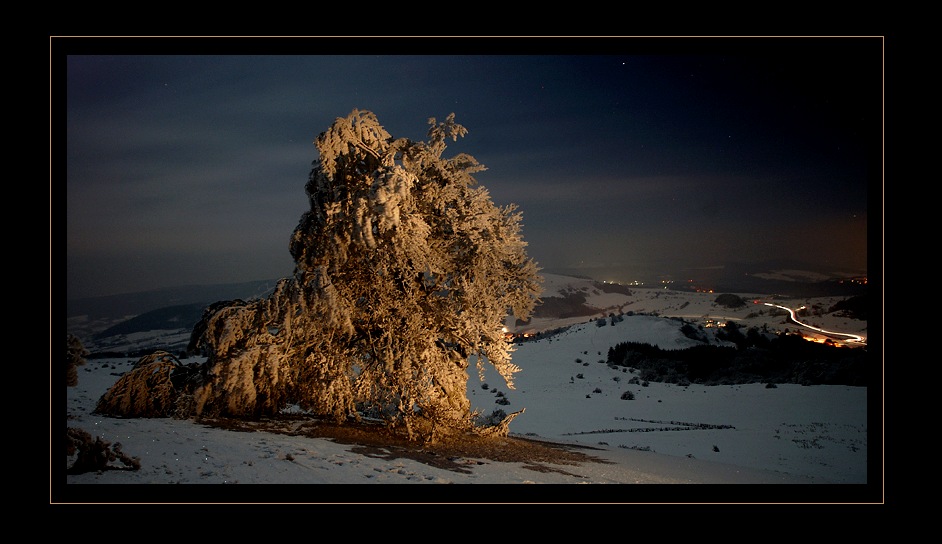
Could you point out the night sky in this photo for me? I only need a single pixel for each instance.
(184, 161)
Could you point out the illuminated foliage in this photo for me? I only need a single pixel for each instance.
(151, 389)
(405, 271)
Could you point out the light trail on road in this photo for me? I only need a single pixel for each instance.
(851, 337)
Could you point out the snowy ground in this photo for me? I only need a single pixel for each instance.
(668, 434)
(787, 435)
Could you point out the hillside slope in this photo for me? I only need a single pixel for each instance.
(566, 301)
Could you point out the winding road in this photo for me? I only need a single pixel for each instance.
(854, 338)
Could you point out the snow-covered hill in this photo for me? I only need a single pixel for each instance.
(567, 301)
(665, 434)
(570, 394)
(660, 433)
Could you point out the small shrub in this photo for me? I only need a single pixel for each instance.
(146, 391)
(76, 358)
(580, 376)
(95, 456)
(493, 418)
(628, 395)
(597, 390)
(716, 449)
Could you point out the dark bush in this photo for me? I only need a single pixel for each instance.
(854, 307)
(493, 418)
(75, 356)
(730, 301)
(95, 455)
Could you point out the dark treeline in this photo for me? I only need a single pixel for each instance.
(786, 358)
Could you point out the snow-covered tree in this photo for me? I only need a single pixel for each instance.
(405, 271)
(153, 388)
(75, 355)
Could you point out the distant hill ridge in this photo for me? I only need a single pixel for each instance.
(105, 322)
(133, 304)
(168, 318)
(108, 318)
